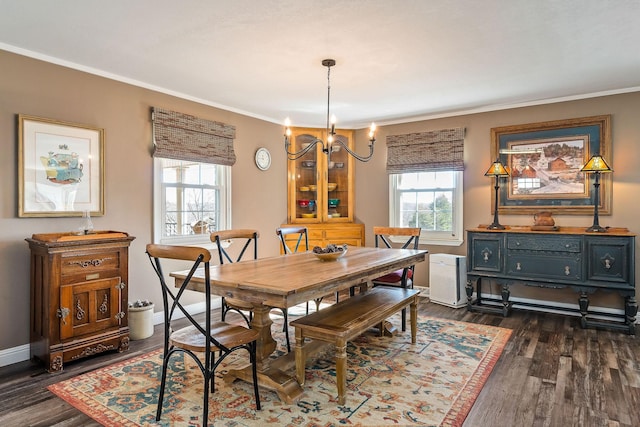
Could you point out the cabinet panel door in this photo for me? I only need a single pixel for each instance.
(609, 259)
(90, 307)
(486, 252)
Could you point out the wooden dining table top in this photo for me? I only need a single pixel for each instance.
(287, 280)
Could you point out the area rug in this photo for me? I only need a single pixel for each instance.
(390, 382)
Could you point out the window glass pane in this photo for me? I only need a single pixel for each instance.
(191, 174)
(429, 200)
(208, 174)
(194, 200)
(444, 179)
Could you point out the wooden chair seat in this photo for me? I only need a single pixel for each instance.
(190, 338)
(239, 304)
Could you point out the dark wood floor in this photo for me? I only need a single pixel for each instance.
(552, 373)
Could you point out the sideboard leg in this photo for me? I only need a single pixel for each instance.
(469, 290)
(583, 302)
(630, 311)
(505, 300)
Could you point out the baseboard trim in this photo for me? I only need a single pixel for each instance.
(13, 355)
(21, 353)
(424, 291)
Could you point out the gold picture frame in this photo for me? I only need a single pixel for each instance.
(544, 160)
(60, 168)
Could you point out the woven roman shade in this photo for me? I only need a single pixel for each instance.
(184, 137)
(426, 151)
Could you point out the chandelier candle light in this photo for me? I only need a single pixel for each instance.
(331, 130)
(596, 165)
(498, 170)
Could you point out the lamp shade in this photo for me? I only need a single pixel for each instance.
(596, 164)
(497, 169)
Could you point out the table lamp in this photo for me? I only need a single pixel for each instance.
(596, 165)
(498, 170)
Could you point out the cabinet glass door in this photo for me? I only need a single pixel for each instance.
(338, 182)
(306, 178)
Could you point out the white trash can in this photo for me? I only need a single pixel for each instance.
(141, 322)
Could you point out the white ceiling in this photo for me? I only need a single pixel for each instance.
(397, 60)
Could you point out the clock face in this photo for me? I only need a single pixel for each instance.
(263, 159)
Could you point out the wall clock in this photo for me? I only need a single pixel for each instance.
(263, 159)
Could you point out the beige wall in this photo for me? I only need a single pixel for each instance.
(36, 88)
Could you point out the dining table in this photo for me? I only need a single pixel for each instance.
(286, 281)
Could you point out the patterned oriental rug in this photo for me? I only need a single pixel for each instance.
(390, 383)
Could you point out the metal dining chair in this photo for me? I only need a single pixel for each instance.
(244, 238)
(402, 278)
(206, 338)
(240, 239)
(294, 239)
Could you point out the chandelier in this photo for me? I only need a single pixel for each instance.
(327, 146)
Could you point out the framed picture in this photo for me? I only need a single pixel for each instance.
(60, 168)
(544, 162)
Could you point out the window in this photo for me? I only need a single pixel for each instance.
(191, 199)
(431, 201)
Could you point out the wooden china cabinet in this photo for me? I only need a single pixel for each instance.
(79, 290)
(320, 192)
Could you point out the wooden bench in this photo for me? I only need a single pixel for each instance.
(348, 319)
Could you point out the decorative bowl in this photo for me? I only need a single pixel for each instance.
(308, 215)
(332, 186)
(304, 188)
(308, 164)
(330, 256)
(313, 187)
(333, 203)
(303, 203)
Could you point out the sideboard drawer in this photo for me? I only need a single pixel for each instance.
(544, 266)
(544, 243)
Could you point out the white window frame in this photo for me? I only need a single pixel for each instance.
(453, 238)
(224, 222)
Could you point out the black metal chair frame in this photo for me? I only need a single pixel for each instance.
(223, 254)
(171, 303)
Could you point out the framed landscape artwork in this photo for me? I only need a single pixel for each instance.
(60, 168)
(544, 162)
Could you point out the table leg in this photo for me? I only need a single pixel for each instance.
(300, 359)
(273, 378)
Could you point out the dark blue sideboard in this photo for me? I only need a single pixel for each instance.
(559, 258)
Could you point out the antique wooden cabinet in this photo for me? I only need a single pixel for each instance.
(320, 191)
(568, 257)
(78, 295)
